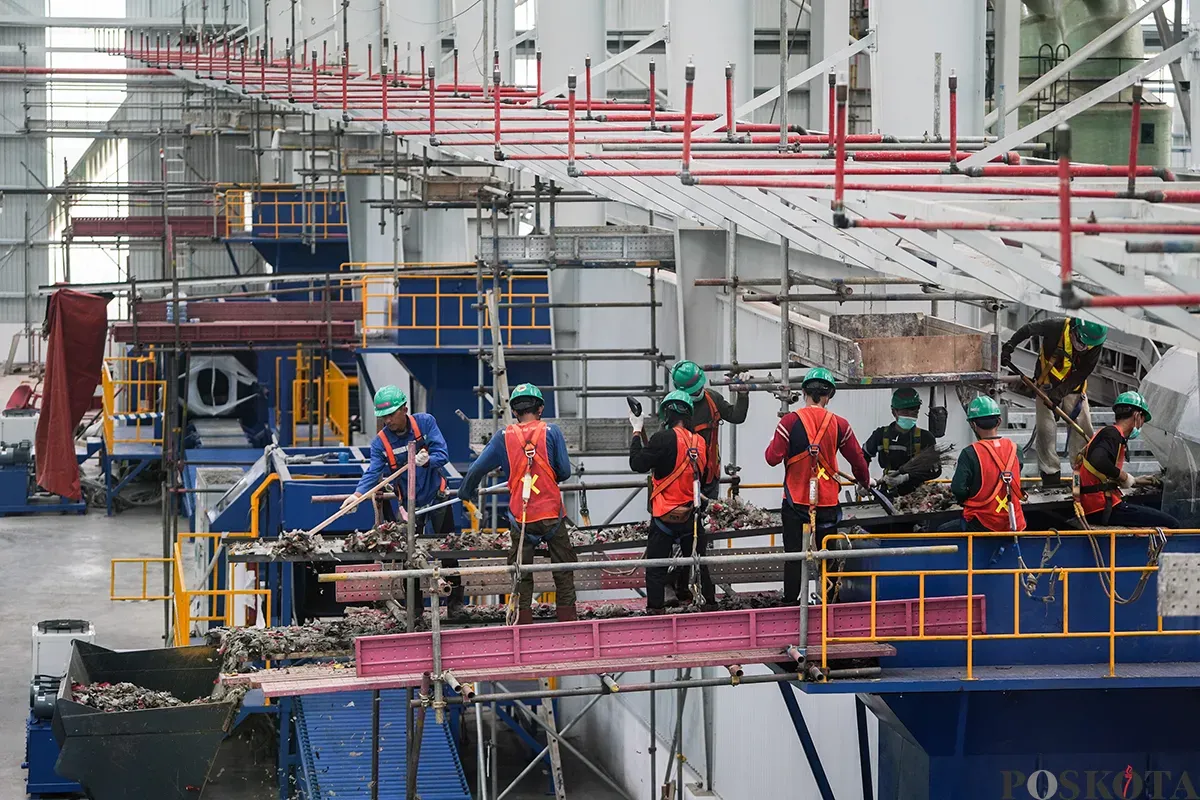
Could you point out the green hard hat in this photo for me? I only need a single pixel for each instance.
(1134, 399)
(388, 400)
(983, 406)
(680, 400)
(687, 376)
(818, 374)
(1091, 334)
(526, 390)
(905, 398)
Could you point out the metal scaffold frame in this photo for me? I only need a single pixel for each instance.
(952, 199)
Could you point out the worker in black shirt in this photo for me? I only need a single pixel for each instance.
(900, 441)
(1100, 474)
(676, 456)
(709, 410)
(1069, 352)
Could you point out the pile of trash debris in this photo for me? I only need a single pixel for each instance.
(735, 514)
(386, 537)
(292, 543)
(927, 498)
(114, 697)
(238, 646)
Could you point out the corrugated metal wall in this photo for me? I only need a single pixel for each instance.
(197, 158)
(23, 162)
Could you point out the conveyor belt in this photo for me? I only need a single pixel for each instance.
(334, 733)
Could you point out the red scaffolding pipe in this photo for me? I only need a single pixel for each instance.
(1135, 126)
(840, 156)
(1064, 206)
(688, 97)
(730, 122)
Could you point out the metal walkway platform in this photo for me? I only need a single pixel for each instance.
(334, 736)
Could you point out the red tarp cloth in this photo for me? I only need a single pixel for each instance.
(78, 324)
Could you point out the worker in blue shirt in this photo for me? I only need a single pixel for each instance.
(389, 450)
(533, 457)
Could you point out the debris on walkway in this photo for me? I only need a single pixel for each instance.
(239, 646)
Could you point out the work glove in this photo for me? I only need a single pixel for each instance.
(1126, 480)
(638, 423)
(351, 499)
(1006, 353)
(421, 458)
(894, 479)
(743, 378)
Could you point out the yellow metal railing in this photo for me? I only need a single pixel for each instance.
(1107, 574)
(284, 212)
(130, 389)
(145, 564)
(181, 597)
(451, 308)
(320, 399)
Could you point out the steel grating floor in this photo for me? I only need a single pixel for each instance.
(334, 732)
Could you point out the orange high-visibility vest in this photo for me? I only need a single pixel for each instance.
(997, 459)
(678, 488)
(820, 460)
(525, 443)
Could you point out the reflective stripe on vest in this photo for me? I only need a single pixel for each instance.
(712, 441)
(525, 443)
(1095, 486)
(997, 458)
(1048, 373)
(822, 428)
(677, 489)
(916, 444)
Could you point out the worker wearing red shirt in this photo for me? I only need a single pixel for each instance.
(807, 442)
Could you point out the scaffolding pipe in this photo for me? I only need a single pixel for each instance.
(654, 686)
(736, 560)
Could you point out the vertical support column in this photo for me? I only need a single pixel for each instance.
(476, 45)
(712, 33)
(830, 33)
(567, 31)
(1193, 72)
(1007, 19)
(413, 24)
(904, 63)
(699, 253)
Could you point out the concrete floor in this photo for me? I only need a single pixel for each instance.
(58, 567)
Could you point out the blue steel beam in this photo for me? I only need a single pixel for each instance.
(806, 741)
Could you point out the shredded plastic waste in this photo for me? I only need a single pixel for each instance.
(927, 498)
(113, 697)
(241, 646)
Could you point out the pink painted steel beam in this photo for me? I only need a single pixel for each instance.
(147, 226)
(245, 332)
(324, 678)
(561, 649)
(259, 311)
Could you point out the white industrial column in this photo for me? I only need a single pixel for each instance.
(364, 25)
(830, 33)
(469, 38)
(1007, 21)
(909, 37)
(277, 28)
(319, 23)
(712, 34)
(567, 32)
(411, 25)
